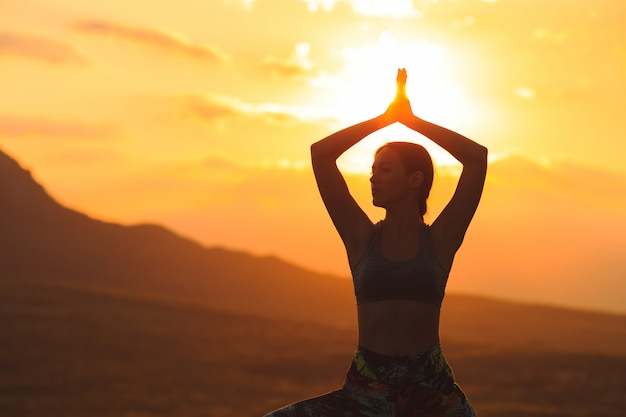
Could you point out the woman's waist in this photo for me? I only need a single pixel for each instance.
(398, 345)
(374, 370)
(398, 329)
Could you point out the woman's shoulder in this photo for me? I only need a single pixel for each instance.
(363, 242)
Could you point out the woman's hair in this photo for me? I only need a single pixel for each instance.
(415, 157)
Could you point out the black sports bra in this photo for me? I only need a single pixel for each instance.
(421, 278)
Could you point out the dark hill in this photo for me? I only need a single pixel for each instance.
(100, 319)
(42, 241)
(40, 238)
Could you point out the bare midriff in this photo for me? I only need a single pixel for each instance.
(398, 327)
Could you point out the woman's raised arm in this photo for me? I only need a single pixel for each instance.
(451, 225)
(349, 219)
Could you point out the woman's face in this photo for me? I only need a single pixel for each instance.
(390, 181)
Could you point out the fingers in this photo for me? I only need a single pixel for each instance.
(401, 77)
(401, 83)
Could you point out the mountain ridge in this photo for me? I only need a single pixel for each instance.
(41, 238)
(44, 242)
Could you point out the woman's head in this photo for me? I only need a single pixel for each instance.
(401, 168)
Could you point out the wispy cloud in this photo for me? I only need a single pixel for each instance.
(595, 185)
(210, 109)
(217, 109)
(298, 64)
(388, 8)
(38, 48)
(166, 41)
(27, 127)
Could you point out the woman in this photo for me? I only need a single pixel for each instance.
(400, 267)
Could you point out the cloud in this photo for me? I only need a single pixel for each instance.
(166, 41)
(210, 109)
(388, 8)
(590, 185)
(39, 48)
(377, 8)
(220, 109)
(27, 127)
(297, 65)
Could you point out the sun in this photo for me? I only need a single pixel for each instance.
(366, 85)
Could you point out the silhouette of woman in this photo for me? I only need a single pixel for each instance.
(400, 268)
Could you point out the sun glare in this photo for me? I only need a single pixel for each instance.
(366, 85)
(393, 8)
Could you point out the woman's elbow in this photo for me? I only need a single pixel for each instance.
(317, 151)
(478, 158)
(482, 153)
(314, 149)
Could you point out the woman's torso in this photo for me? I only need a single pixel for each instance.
(399, 288)
(398, 327)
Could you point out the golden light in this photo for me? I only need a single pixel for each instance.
(391, 8)
(366, 85)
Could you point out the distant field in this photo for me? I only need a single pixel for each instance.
(72, 352)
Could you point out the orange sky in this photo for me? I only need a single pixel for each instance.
(199, 115)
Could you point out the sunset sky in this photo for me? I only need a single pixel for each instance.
(198, 115)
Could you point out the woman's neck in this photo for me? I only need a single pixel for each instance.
(403, 220)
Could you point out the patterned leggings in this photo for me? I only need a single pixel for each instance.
(382, 386)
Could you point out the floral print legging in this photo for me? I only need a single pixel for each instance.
(420, 385)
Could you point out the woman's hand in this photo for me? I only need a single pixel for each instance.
(401, 83)
(400, 108)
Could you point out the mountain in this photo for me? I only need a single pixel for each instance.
(102, 319)
(42, 241)
(40, 238)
